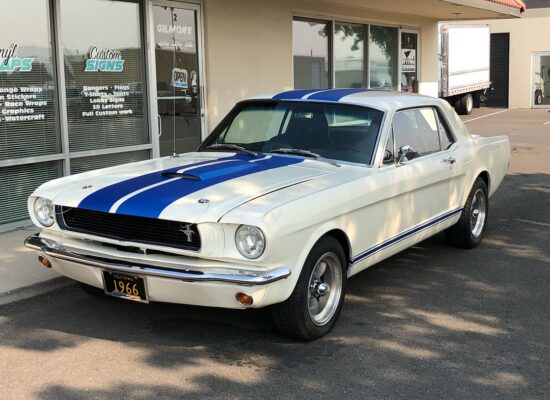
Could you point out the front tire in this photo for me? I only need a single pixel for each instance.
(313, 307)
(468, 232)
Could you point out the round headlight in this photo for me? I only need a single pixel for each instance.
(44, 211)
(250, 241)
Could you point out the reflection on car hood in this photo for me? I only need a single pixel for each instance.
(195, 187)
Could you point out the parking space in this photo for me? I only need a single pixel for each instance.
(433, 322)
(528, 130)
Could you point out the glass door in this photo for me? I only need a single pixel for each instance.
(178, 77)
(409, 61)
(541, 80)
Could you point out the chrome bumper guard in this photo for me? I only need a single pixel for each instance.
(53, 249)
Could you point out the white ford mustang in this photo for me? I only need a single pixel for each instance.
(289, 196)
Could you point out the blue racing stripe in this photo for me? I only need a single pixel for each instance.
(150, 203)
(294, 94)
(335, 94)
(103, 199)
(404, 235)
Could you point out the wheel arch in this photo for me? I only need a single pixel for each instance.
(343, 239)
(486, 178)
(332, 229)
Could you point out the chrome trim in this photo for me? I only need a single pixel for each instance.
(53, 249)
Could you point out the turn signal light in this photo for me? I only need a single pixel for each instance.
(44, 261)
(244, 299)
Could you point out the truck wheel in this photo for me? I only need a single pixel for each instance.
(468, 232)
(466, 104)
(313, 307)
(538, 97)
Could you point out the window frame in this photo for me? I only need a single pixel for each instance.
(442, 121)
(367, 23)
(330, 47)
(230, 116)
(440, 118)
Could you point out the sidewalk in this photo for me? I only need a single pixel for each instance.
(21, 276)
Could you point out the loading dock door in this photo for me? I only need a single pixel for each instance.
(500, 70)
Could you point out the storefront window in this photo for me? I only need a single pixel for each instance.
(28, 99)
(104, 74)
(311, 53)
(28, 124)
(409, 62)
(383, 57)
(349, 55)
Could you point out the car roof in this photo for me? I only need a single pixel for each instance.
(384, 100)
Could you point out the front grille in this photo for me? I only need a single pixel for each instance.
(159, 232)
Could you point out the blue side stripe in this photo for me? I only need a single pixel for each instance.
(150, 203)
(404, 235)
(335, 94)
(294, 94)
(103, 199)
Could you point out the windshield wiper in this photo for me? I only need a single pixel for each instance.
(231, 146)
(304, 153)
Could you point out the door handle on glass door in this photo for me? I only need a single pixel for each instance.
(449, 160)
(159, 124)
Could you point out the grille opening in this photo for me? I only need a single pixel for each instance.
(129, 228)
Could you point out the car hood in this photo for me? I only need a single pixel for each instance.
(194, 187)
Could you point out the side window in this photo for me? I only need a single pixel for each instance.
(417, 128)
(444, 133)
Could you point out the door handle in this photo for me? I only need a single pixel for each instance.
(449, 160)
(159, 124)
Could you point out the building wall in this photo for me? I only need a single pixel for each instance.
(249, 46)
(527, 35)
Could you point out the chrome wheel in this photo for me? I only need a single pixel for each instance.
(325, 289)
(478, 212)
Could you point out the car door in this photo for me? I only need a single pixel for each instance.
(420, 192)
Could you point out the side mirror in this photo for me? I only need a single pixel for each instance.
(404, 152)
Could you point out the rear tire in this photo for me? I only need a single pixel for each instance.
(313, 307)
(466, 104)
(468, 232)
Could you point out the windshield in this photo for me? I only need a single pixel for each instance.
(334, 131)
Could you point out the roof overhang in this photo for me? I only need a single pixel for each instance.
(502, 8)
(440, 10)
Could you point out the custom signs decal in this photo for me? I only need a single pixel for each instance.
(105, 60)
(9, 62)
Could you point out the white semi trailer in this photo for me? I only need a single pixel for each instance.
(465, 52)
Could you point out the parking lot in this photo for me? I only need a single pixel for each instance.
(432, 322)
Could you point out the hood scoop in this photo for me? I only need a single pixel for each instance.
(216, 172)
(181, 175)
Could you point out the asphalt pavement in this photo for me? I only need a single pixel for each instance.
(432, 322)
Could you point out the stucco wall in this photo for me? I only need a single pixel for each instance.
(249, 46)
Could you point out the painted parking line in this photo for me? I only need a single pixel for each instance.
(485, 116)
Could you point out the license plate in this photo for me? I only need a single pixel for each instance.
(129, 287)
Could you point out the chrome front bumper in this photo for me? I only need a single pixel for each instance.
(54, 250)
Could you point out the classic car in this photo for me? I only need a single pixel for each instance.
(288, 197)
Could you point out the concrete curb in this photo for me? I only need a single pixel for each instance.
(34, 290)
